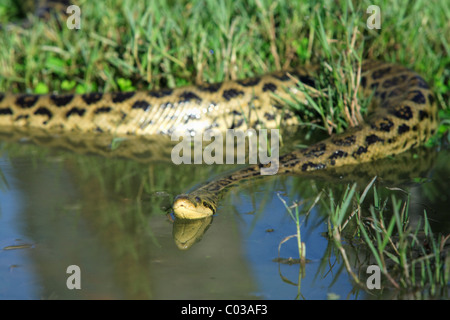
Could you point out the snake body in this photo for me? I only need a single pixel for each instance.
(231, 104)
(403, 115)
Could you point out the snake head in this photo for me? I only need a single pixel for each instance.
(192, 206)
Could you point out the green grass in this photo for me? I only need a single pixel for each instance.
(365, 229)
(413, 260)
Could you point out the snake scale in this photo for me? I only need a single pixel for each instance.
(403, 116)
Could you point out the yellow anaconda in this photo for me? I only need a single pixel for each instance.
(193, 108)
(404, 116)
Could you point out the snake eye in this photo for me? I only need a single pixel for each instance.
(197, 199)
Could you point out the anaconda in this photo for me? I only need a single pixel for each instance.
(403, 116)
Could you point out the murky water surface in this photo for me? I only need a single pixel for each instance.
(109, 217)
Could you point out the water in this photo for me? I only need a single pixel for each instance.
(109, 217)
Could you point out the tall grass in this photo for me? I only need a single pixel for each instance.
(413, 260)
(125, 44)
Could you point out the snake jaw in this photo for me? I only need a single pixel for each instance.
(186, 207)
